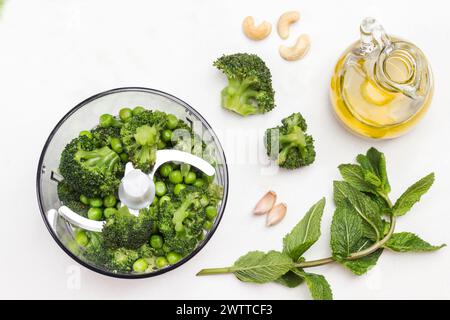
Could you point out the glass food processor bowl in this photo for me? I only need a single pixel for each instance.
(85, 117)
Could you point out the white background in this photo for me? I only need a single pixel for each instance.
(55, 53)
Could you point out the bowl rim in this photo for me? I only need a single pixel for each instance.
(137, 275)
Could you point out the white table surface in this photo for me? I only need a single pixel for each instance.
(54, 54)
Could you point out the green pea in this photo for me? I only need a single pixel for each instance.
(190, 177)
(110, 201)
(166, 248)
(125, 114)
(155, 201)
(137, 110)
(201, 237)
(178, 188)
(199, 183)
(204, 201)
(164, 199)
(167, 135)
(161, 262)
(161, 145)
(211, 212)
(106, 120)
(165, 169)
(140, 265)
(156, 241)
(173, 257)
(84, 200)
(86, 133)
(95, 214)
(172, 121)
(176, 177)
(109, 212)
(81, 238)
(116, 145)
(124, 157)
(96, 203)
(160, 188)
(118, 205)
(207, 225)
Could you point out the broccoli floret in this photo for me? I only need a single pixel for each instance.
(140, 137)
(249, 89)
(92, 171)
(124, 230)
(214, 193)
(94, 251)
(115, 260)
(180, 223)
(295, 148)
(182, 212)
(121, 259)
(103, 135)
(71, 198)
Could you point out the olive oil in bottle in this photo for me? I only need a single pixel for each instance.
(381, 86)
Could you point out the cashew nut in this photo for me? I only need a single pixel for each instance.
(298, 51)
(285, 22)
(256, 32)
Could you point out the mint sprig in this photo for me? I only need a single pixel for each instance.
(362, 227)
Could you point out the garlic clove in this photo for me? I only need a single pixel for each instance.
(265, 203)
(276, 214)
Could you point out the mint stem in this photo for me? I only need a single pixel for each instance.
(320, 262)
(211, 271)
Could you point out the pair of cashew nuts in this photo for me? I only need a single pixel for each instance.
(262, 31)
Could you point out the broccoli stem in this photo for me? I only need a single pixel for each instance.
(104, 158)
(238, 96)
(181, 213)
(297, 136)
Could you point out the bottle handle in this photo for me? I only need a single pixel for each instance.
(374, 38)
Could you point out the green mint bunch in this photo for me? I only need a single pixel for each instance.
(282, 267)
(364, 220)
(362, 227)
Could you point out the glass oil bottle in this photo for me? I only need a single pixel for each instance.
(381, 86)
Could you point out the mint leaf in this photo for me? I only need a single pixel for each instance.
(362, 265)
(317, 284)
(290, 280)
(347, 237)
(346, 231)
(412, 195)
(353, 174)
(305, 233)
(374, 168)
(260, 267)
(367, 209)
(409, 242)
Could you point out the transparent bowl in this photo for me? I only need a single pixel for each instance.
(85, 116)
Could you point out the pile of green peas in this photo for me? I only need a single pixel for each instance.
(101, 208)
(125, 115)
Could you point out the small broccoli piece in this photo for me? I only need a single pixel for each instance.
(121, 259)
(93, 172)
(249, 89)
(180, 223)
(95, 252)
(140, 137)
(71, 198)
(295, 148)
(115, 260)
(214, 193)
(103, 135)
(126, 230)
(182, 212)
